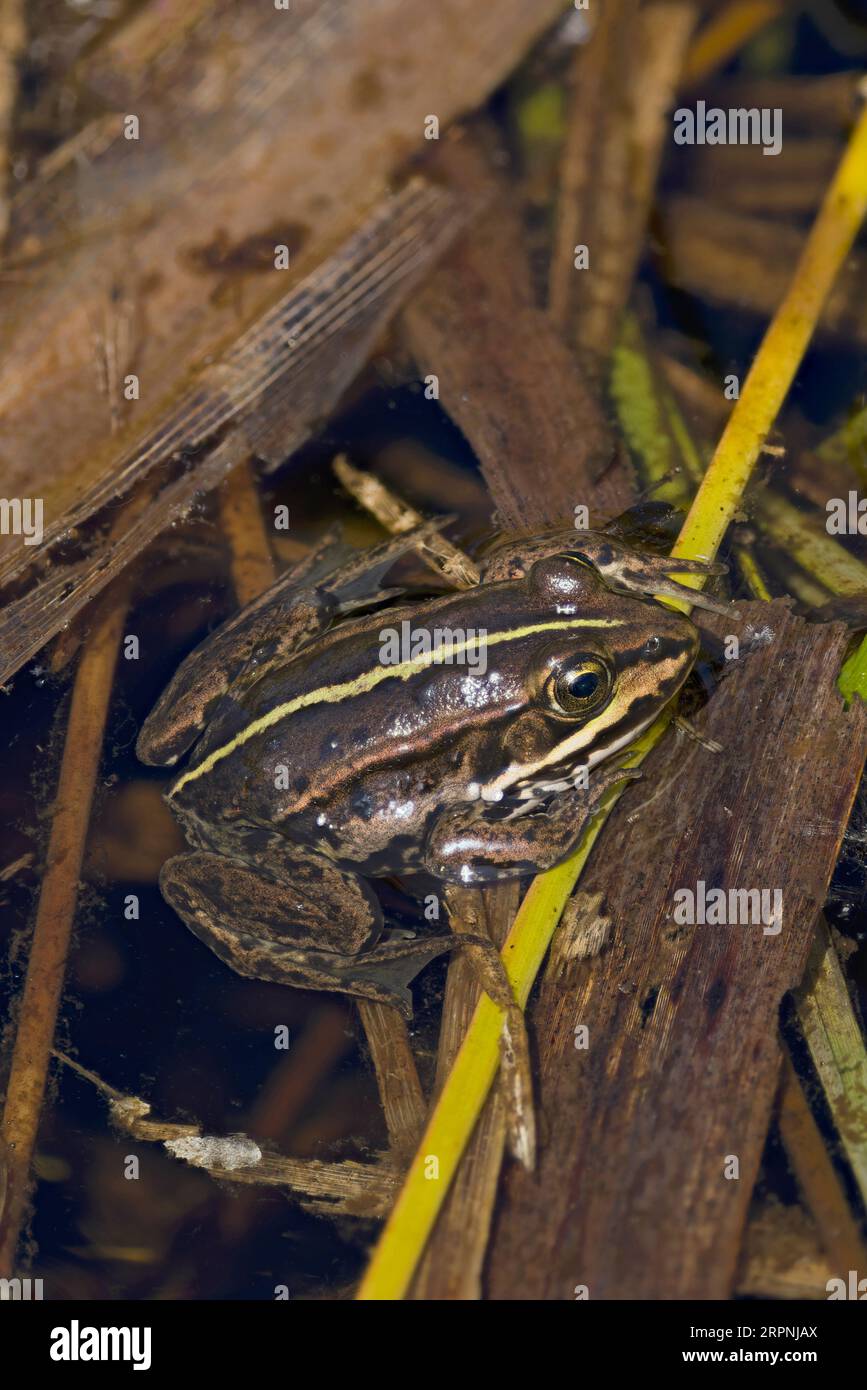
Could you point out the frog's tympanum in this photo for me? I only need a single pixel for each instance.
(323, 757)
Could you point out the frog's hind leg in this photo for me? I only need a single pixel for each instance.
(305, 924)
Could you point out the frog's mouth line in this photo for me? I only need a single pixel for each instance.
(538, 789)
(671, 675)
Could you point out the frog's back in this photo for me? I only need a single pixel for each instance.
(341, 709)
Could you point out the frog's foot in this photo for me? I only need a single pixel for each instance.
(275, 926)
(385, 972)
(638, 572)
(357, 581)
(623, 569)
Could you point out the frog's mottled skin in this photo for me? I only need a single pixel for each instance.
(316, 766)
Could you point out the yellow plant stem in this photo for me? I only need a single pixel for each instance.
(454, 1118)
(778, 357)
(752, 574)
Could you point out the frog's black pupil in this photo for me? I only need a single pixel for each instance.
(585, 685)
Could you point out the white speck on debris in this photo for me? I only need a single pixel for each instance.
(759, 636)
(213, 1151)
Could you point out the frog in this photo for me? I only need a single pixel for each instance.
(317, 762)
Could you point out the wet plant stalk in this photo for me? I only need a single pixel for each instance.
(46, 966)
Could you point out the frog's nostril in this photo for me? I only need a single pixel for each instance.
(652, 646)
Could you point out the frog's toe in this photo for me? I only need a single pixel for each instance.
(385, 973)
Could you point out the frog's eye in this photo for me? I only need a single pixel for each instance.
(581, 686)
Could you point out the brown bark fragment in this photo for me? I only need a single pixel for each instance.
(506, 378)
(55, 915)
(314, 107)
(624, 86)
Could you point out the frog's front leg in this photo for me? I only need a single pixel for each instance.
(486, 842)
(304, 922)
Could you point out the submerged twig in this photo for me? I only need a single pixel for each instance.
(55, 914)
(725, 33)
(817, 1179)
(806, 541)
(745, 262)
(253, 568)
(346, 1188)
(400, 1089)
(781, 1256)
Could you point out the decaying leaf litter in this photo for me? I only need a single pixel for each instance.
(524, 360)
